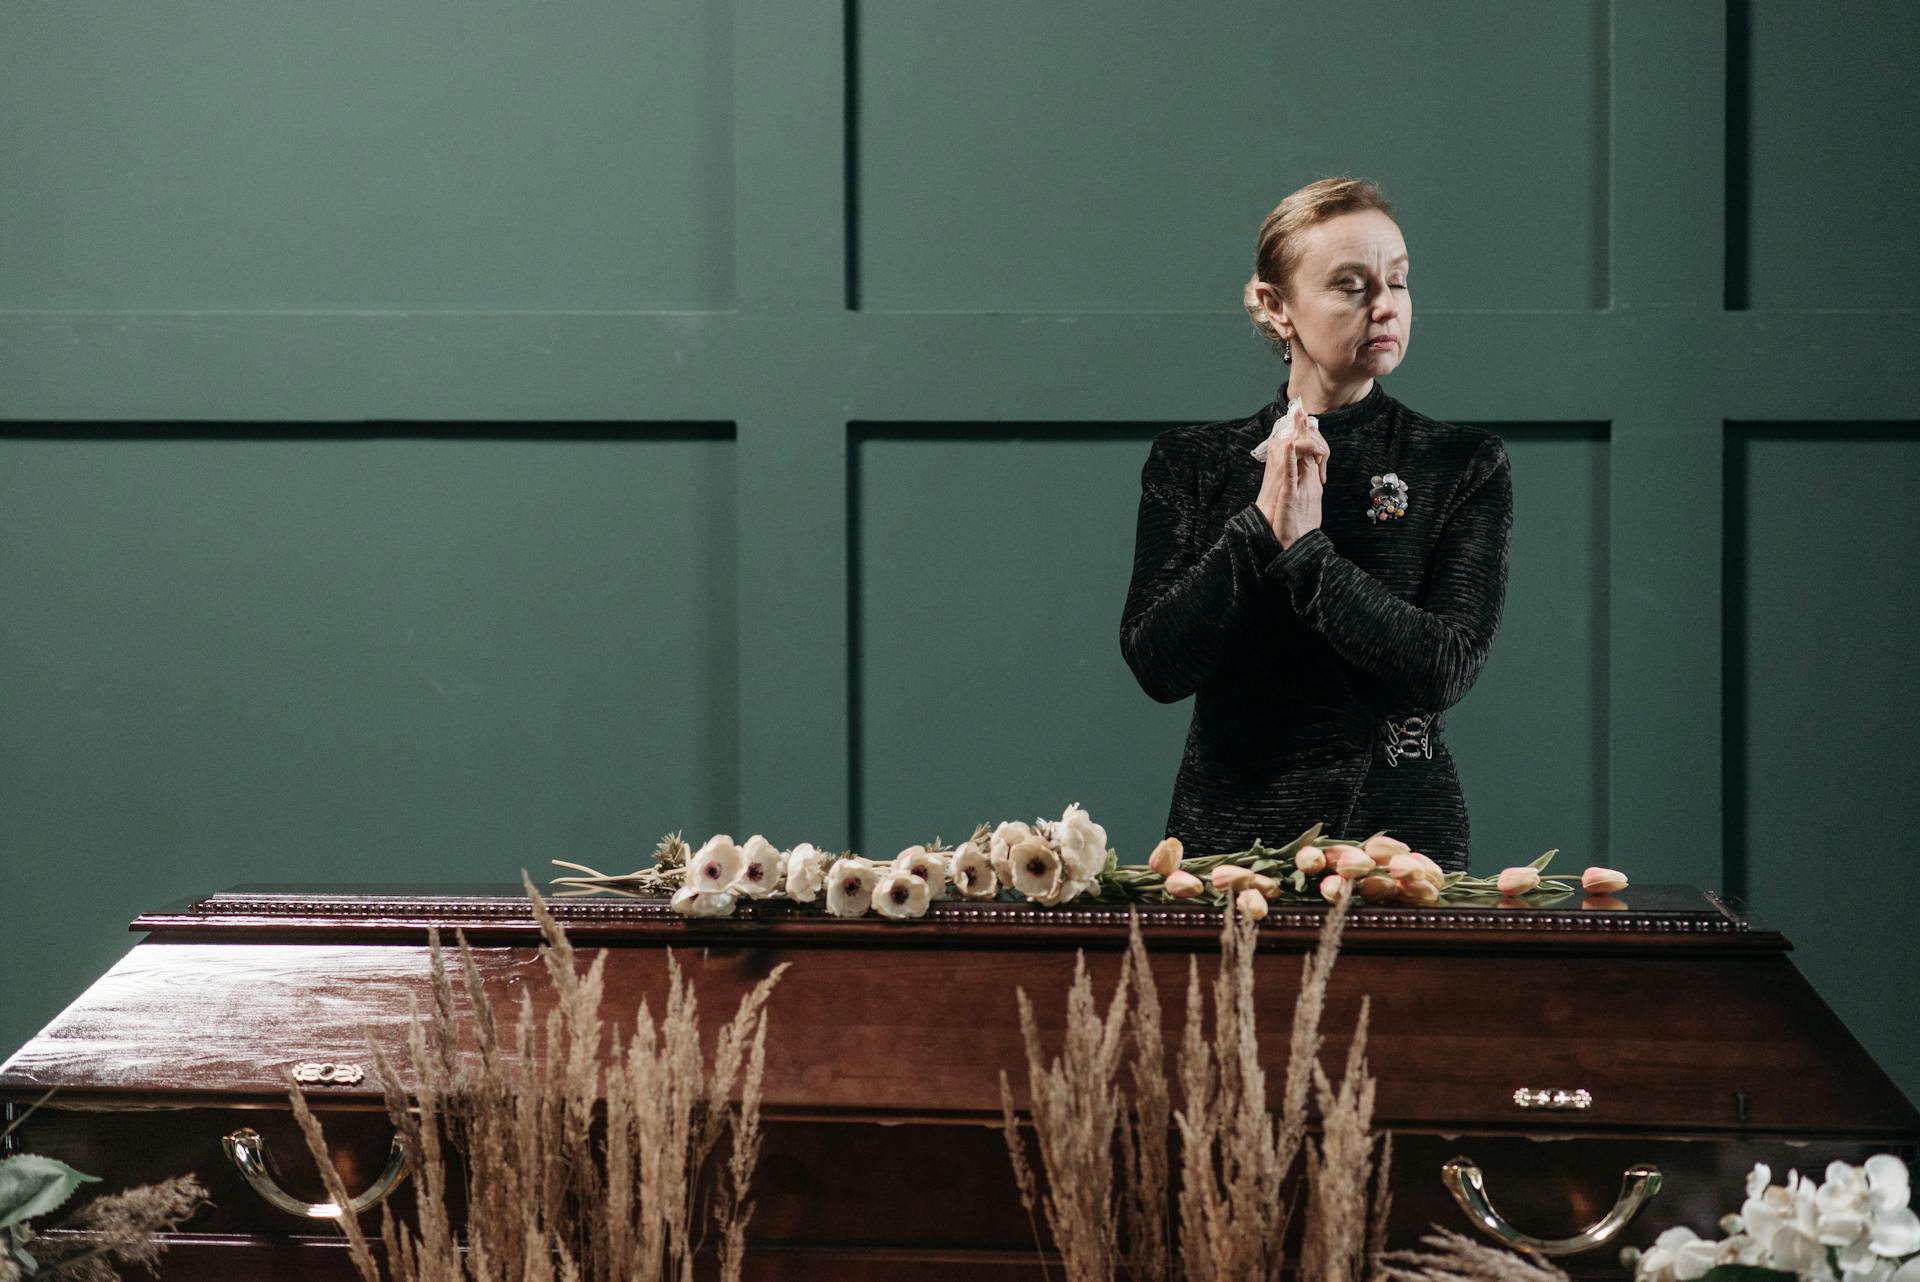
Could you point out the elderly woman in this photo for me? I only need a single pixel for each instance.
(1327, 605)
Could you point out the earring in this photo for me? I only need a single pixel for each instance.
(1286, 350)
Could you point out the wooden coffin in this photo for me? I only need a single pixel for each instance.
(1554, 1047)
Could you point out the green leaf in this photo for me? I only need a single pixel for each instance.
(1544, 860)
(1746, 1273)
(1293, 847)
(32, 1185)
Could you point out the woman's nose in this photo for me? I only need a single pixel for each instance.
(1385, 305)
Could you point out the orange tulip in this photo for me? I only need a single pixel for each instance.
(1518, 881)
(1383, 848)
(1350, 861)
(1182, 884)
(1231, 877)
(1602, 881)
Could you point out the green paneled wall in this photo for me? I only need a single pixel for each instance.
(435, 437)
(1822, 663)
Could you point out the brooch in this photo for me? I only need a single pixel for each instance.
(1389, 498)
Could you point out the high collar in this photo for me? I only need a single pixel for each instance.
(1364, 410)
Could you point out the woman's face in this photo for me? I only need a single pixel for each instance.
(1349, 309)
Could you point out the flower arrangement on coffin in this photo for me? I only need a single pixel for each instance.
(1854, 1227)
(1380, 869)
(1048, 862)
(1055, 861)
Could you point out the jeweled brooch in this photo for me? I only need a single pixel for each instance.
(1389, 498)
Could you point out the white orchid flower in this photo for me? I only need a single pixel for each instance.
(690, 901)
(1795, 1249)
(900, 895)
(850, 886)
(1895, 1233)
(919, 862)
(806, 872)
(715, 865)
(762, 868)
(1678, 1255)
(973, 872)
(1840, 1206)
(1887, 1187)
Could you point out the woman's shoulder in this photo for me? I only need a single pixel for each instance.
(1193, 450)
(1464, 445)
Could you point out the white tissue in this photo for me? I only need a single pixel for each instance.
(1282, 429)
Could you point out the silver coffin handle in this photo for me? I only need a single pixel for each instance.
(1469, 1188)
(248, 1151)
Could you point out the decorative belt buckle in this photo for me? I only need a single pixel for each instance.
(1406, 737)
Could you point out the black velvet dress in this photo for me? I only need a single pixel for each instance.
(1320, 673)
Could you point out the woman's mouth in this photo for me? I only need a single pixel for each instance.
(1383, 342)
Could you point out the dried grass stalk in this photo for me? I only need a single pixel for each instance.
(1334, 1247)
(556, 1188)
(1146, 1174)
(1241, 1166)
(1239, 1187)
(1076, 1103)
(112, 1230)
(1455, 1257)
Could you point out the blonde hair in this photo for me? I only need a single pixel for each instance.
(1283, 233)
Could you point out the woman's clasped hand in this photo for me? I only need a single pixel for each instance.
(1295, 479)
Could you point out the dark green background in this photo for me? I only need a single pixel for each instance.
(439, 436)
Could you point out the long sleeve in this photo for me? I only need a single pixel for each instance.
(1187, 599)
(1427, 654)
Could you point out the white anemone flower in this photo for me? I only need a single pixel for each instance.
(762, 868)
(850, 886)
(715, 865)
(689, 901)
(1083, 844)
(1000, 847)
(806, 872)
(901, 895)
(918, 861)
(1037, 870)
(973, 873)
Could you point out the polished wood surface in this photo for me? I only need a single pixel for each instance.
(1702, 1047)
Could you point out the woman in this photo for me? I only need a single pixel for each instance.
(1327, 606)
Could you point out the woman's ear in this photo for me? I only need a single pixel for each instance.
(1276, 308)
